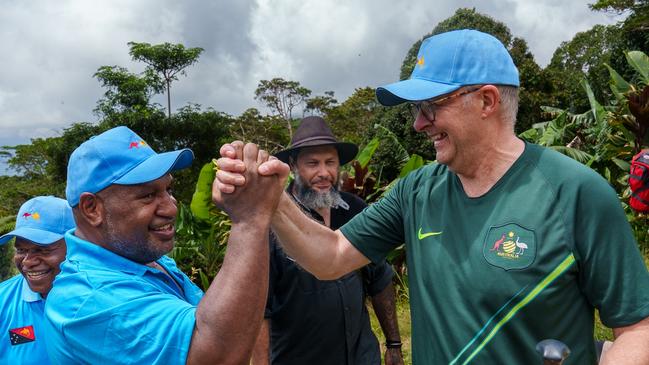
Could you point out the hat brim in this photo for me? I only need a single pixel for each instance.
(157, 166)
(37, 236)
(346, 151)
(412, 90)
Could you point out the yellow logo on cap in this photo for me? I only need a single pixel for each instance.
(420, 61)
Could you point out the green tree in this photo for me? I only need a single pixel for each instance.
(585, 55)
(534, 87)
(266, 131)
(166, 60)
(321, 104)
(351, 120)
(126, 92)
(634, 30)
(282, 96)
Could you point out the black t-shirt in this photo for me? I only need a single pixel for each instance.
(323, 322)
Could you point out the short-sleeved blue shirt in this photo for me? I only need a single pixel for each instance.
(21, 324)
(106, 309)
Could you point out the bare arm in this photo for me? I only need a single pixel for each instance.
(261, 352)
(230, 314)
(304, 239)
(631, 345)
(325, 253)
(386, 312)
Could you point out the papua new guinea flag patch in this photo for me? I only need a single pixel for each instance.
(21, 335)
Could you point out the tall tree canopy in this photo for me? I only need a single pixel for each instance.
(282, 96)
(166, 60)
(582, 57)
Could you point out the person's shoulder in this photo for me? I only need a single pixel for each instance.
(14, 280)
(352, 199)
(560, 169)
(11, 288)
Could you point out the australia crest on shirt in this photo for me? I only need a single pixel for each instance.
(509, 246)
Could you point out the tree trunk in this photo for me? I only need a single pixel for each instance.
(169, 99)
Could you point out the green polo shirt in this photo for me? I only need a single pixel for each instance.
(529, 260)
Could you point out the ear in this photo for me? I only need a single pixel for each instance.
(91, 209)
(490, 100)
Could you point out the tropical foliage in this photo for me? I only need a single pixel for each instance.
(607, 136)
(590, 112)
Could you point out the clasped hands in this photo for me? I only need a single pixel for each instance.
(248, 183)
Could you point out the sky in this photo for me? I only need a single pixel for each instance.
(51, 49)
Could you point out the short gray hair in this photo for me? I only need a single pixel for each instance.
(509, 102)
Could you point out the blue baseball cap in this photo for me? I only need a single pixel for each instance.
(448, 61)
(42, 220)
(118, 156)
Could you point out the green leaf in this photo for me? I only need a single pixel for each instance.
(621, 164)
(202, 199)
(204, 280)
(598, 110)
(619, 85)
(530, 135)
(640, 62)
(366, 154)
(413, 163)
(573, 153)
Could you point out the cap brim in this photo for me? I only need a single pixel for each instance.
(157, 166)
(37, 236)
(412, 90)
(346, 151)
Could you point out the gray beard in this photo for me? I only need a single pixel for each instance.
(313, 199)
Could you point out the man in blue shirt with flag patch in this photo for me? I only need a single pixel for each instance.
(40, 248)
(118, 299)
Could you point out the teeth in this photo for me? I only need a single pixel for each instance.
(437, 137)
(32, 274)
(166, 227)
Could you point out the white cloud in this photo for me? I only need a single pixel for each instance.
(52, 49)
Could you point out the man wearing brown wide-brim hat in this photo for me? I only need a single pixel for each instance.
(309, 321)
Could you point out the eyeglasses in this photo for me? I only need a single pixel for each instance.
(428, 107)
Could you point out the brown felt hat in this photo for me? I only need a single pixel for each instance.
(314, 131)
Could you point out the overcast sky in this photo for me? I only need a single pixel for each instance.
(51, 49)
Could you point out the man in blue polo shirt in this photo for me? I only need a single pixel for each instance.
(40, 248)
(118, 299)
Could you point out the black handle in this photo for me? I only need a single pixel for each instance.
(553, 352)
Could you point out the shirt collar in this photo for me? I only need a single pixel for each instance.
(88, 253)
(28, 294)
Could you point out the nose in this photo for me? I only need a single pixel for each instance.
(30, 259)
(421, 122)
(168, 207)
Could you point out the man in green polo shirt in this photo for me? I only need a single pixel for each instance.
(508, 243)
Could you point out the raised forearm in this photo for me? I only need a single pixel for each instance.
(230, 314)
(313, 245)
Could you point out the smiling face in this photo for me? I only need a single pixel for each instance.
(455, 131)
(39, 264)
(138, 220)
(318, 167)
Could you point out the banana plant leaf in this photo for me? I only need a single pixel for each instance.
(201, 204)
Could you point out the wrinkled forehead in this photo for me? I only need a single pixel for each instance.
(318, 152)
